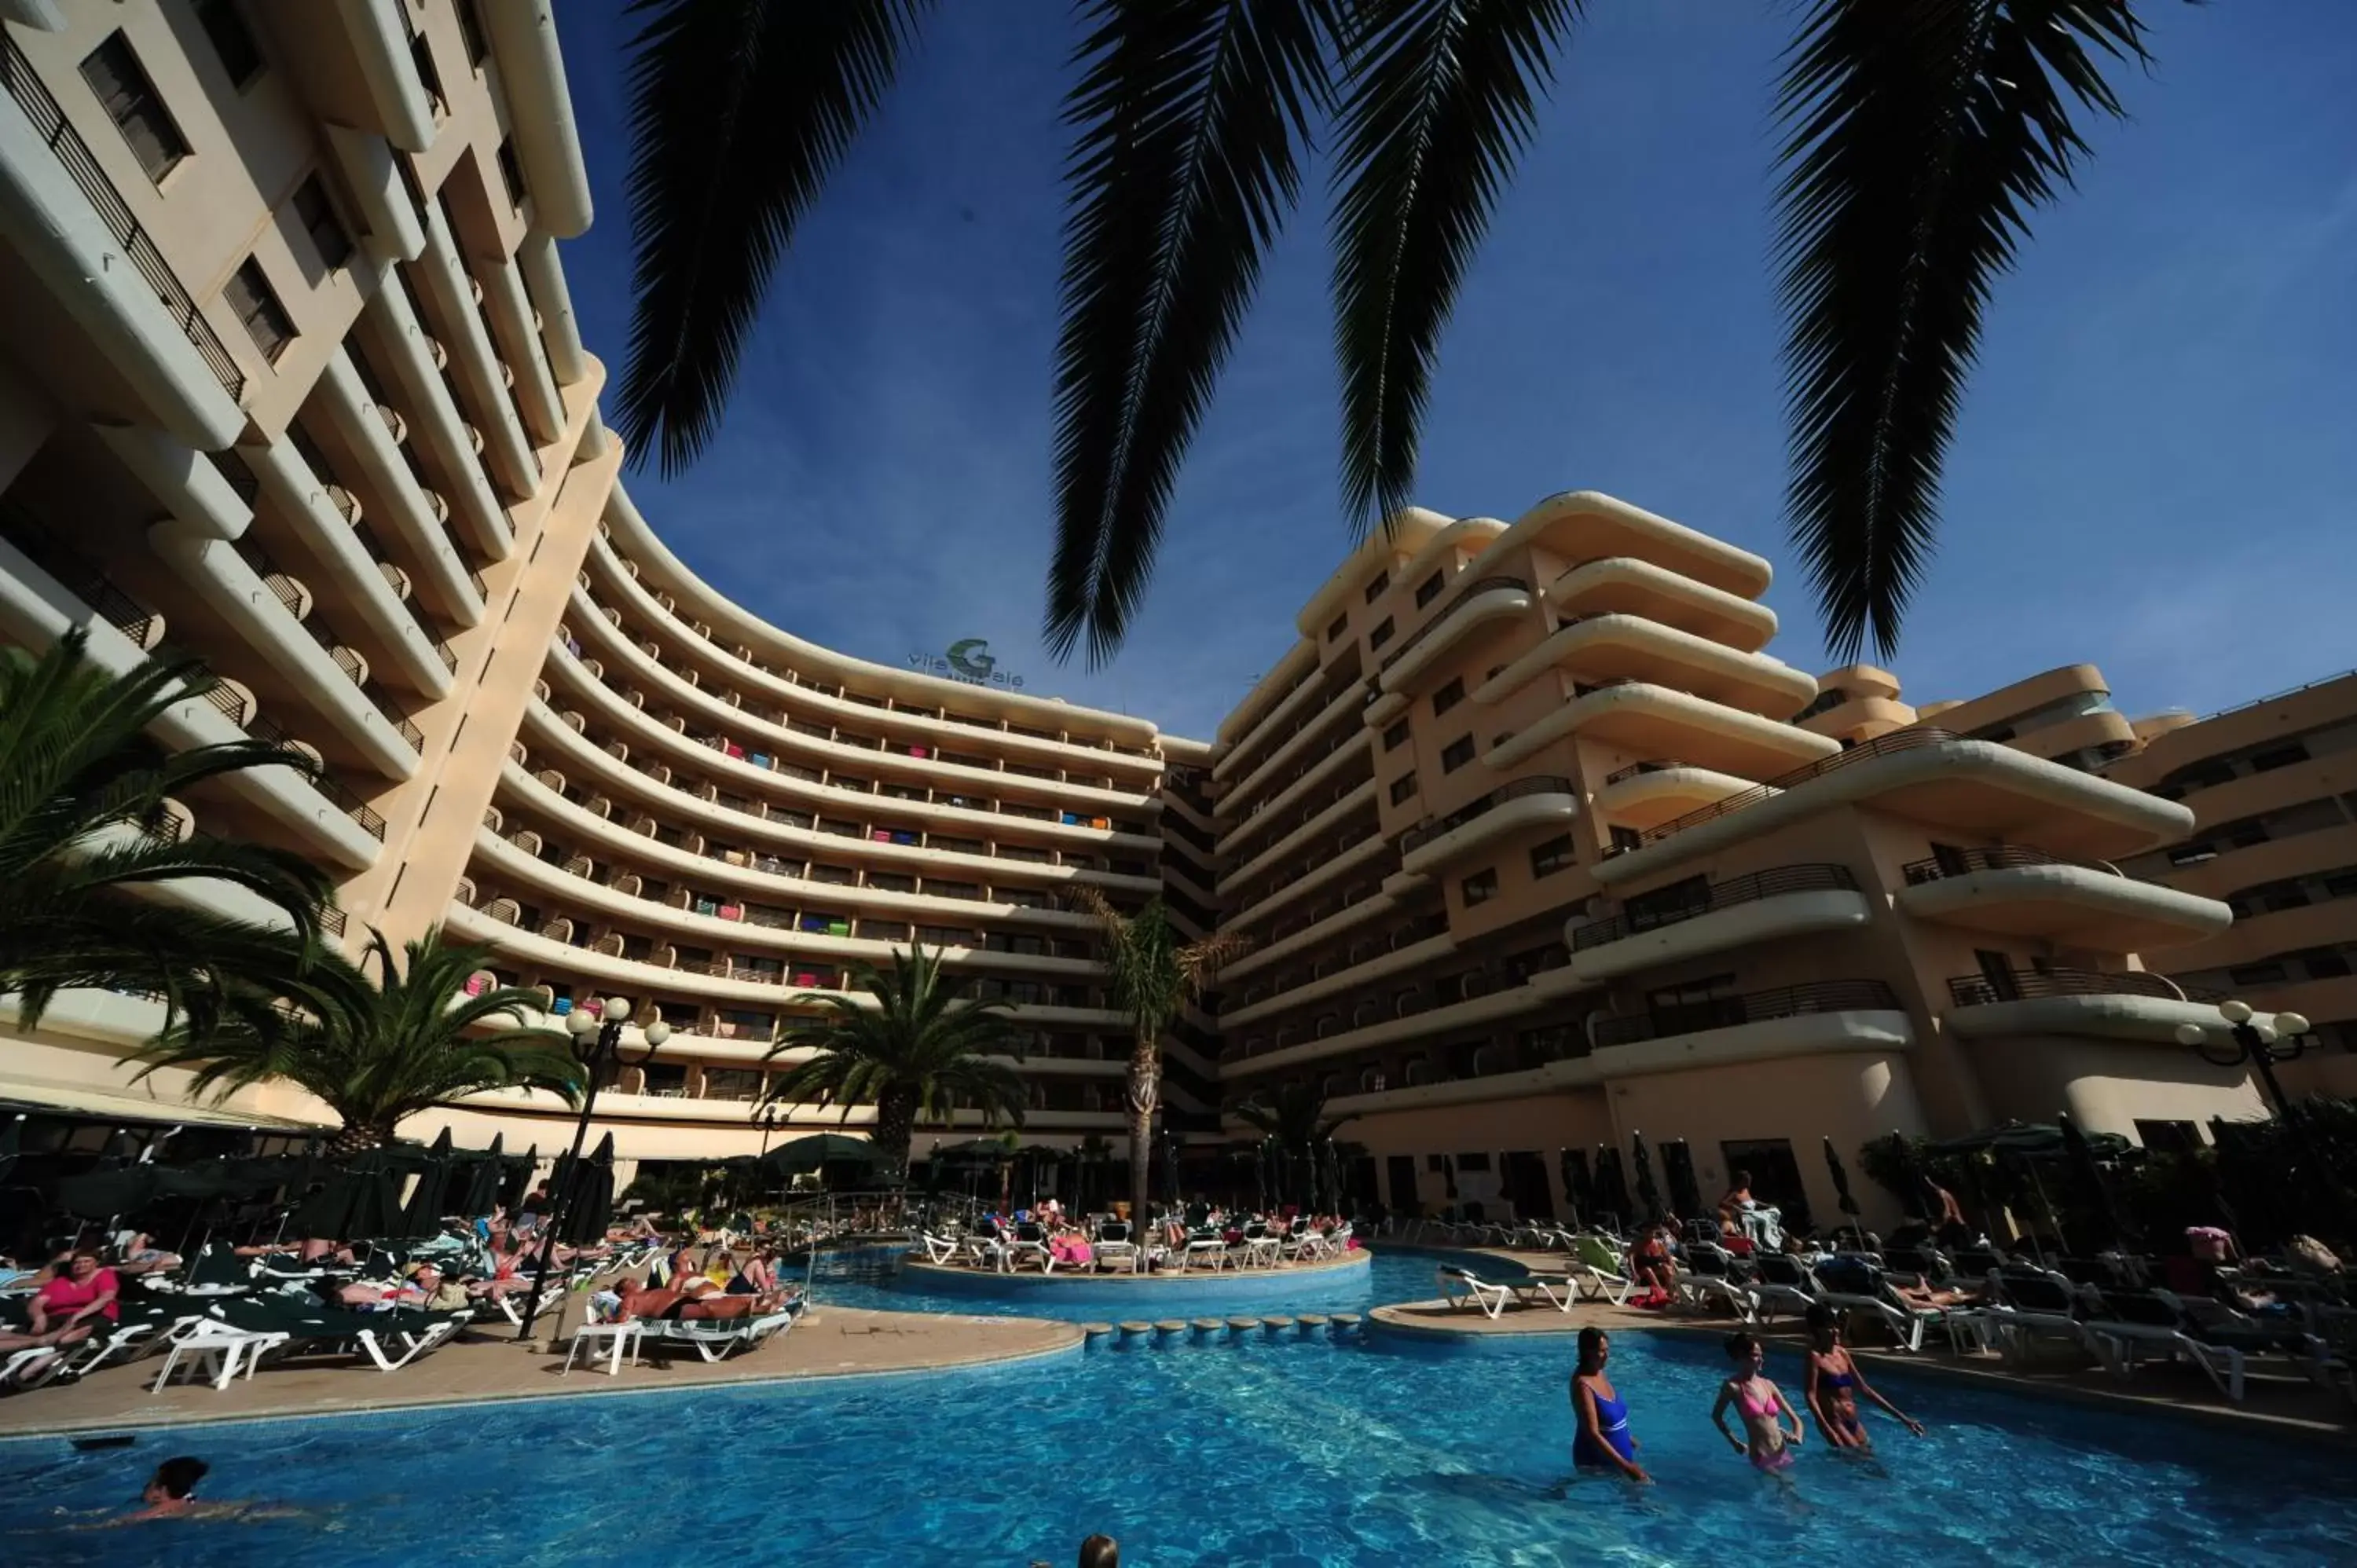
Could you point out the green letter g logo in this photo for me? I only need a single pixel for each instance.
(971, 658)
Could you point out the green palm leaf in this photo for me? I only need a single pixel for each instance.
(1189, 118)
(1920, 134)
(739, 111)
(1441, 103)
(906, 1044)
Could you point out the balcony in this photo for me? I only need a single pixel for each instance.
(2133, 1004)
(1646, 794)
(83, 168)
(1476, 604)
(1524, 804)
(1929, 775)
(1644, 719)
(1621, 585)
(1605, 647)
(1665, 928)
(2020, 892)
(1814, 1019)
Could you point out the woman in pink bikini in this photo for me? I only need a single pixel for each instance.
(1765, 1441)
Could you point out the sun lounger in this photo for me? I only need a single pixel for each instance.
(390, 1339)
(1708, 1279)
(1603, 1266)
(1205, 1247)
(2121, 1324)
(1114, 1249)
(1852, 1284)
(616, 1339)
(2032, 1303)
(939, 1249)
(1502, 1284)
(1785, 1285)
(215, 1350)
(715, 1339)
(1261, 1247)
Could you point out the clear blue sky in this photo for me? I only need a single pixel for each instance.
(2154, 470)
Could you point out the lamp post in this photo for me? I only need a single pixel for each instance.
(767, 1118)
(2260, 1045)
(597, 1047)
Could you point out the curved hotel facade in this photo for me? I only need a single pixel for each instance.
(1538, 848)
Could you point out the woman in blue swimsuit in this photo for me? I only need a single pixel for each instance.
(1835, 1383)
(1603, 1441)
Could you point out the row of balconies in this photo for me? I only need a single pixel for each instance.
(884, 708)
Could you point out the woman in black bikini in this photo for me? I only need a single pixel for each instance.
(1835, 1383)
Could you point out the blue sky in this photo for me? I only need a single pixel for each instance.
(2154, 470)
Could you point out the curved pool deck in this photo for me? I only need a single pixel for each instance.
(1154, 1294)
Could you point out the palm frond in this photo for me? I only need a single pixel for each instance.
(1188, 117)
(1919, 137)
(739, 111)
(1441, 101)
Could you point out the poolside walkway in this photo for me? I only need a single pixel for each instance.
(831, 1341)
(2282, 1406)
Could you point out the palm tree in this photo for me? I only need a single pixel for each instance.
(1920, 133)
(910, 1048)
(1294, 1116)
(82, 788)
(378, 1050)
(1155, 975)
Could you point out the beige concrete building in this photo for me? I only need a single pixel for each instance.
(1538, 847)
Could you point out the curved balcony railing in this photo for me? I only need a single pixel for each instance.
(2036, 985)
(1728, 1012)
(1866, 751)
(1989, 857)
(1464, 596)
(1727, 895)
(1424, 833)
(1638, 769)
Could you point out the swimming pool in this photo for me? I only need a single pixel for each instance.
(1302, 1453)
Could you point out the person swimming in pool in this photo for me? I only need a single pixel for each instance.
(1764, 1408)
(1603, 1441)
(1835, 1383)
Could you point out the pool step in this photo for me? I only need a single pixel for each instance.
(1338, 1328)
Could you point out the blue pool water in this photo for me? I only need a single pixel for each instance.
(1285, 1452)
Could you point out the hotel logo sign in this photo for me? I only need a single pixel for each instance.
(968, 660)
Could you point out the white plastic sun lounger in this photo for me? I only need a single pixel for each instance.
(1459, 1285)
(715, 1339)
(939, 1249)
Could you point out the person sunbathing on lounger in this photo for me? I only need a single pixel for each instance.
(1924, 1294)
(652, 1305)
(71, 1307)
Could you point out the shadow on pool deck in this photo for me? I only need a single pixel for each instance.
(2282, 1405)
(832, 1341)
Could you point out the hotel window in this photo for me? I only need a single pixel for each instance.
(1402, 786)
(1551, 856)
(1341, 624)
(2270, 972)
(511, 175)
(1375, 589)
(1449, 697)
(470, 29)
(249, 294)
(421, 55)
(1479, 887)
(1382, 633)
(1428, 591)
(2280, 757)
(1626, 838)
(1457, 754)
(129, 99)
(231, 40)
(1396, 737)
(317, 216)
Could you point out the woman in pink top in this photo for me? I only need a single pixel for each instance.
(65, 1310)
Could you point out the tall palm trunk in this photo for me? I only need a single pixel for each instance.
(896, 1121)
(1144, 1093)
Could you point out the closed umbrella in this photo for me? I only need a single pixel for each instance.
(1840, 1174)
(1170, 1167)
(422, 1216)
(483, 1179)
(1332, 1158)
(1678, 1172)
(12, 1141)
(2095, 1191)
(1260, 1176)
(515, 1183)
(1611, 1189)
(356, 1204)
(590, 1204)
(1649, 1192)
(1577, 1195)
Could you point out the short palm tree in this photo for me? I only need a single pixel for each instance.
(1156, 973)
(909, 1046)
(1920, 133)
(81, 781)
(1294, 1115)
(378, 1048)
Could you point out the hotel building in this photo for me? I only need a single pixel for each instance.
(1538, 849)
